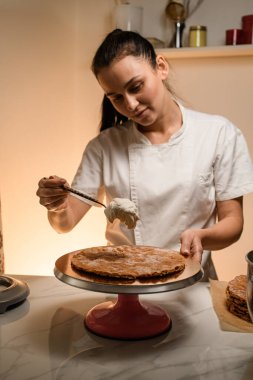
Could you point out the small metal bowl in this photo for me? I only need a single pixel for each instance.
(249, 259)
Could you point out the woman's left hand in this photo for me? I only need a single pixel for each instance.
(191, 245)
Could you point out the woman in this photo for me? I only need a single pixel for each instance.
(185, 171)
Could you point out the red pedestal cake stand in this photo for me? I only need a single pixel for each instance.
(128, 317)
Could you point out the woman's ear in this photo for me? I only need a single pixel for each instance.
(162, 67)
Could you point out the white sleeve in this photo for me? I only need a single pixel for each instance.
(88, 177)
(233, 170)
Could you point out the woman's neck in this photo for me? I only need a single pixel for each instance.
(166, 126)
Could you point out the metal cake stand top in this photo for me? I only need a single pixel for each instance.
(65, 272)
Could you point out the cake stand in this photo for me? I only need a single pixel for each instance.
(128, 317)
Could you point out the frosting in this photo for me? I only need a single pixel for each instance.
(124, 210)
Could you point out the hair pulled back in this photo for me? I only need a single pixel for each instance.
(117, 45)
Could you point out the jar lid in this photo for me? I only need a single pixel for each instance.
(198, 27)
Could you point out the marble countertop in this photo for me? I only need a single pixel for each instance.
(45, 338)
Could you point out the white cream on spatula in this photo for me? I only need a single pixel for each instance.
(124, 210)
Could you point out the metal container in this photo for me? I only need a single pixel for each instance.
(197, 36)
(249, 259)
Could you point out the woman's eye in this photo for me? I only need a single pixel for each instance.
(136, 88)
(116, 98)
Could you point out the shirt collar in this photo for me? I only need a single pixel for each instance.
(139, 138)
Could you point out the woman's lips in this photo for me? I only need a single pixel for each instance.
(140, 113)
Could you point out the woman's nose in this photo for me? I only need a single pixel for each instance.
(131, 103)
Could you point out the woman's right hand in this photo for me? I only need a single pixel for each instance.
(52, 194)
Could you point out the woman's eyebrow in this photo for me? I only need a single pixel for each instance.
(125, 85)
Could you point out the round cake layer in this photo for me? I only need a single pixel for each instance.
(125, 261)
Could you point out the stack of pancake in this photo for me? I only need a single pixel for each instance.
(236, 297)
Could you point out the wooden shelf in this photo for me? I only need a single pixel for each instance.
(207, 52)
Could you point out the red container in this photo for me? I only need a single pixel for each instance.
(247, 26)
(234, 37)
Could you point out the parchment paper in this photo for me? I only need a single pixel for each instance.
(228, 321)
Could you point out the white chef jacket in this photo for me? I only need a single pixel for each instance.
(175, 185)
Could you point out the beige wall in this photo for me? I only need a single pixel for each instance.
(49, 111)
(222, 86)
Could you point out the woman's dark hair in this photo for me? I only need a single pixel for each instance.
(117, 45)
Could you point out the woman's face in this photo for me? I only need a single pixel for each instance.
(135, 89)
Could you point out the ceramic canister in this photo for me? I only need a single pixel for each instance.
(247, 26)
